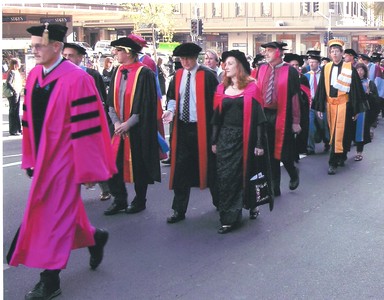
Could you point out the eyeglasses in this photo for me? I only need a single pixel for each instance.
(38, 47)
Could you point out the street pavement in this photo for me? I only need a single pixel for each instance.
(321, 241)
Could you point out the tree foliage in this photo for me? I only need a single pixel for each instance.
(154, 16)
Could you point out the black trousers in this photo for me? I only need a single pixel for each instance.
(14, 114)
(336, 158)
(117, 185)
(186, 167)
(289, 165)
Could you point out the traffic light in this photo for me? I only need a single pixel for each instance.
(315, 6)
(194, 27)
(200, 28)
(307, 7)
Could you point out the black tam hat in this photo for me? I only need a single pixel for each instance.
(288, 57)
(364, 57)
(351, 52)
(55, 32)
(127, 44)
(375, 57)
(187, 50)
(276, 45)
(240, 56)
(326, 59)
(80, 49)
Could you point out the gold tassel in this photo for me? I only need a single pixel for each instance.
(46, 35)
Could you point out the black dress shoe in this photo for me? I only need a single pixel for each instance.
(166, 161)
(115, 208)
(225, 229)
(97, 251)
(176, 217)
(254, 213)
(133, 209)
(42, 291)
(331, 170)
(294, 183)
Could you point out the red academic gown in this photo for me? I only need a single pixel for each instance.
(288, 86)
(141, 154)
(206, 83)
(73, 148)
(252, 117)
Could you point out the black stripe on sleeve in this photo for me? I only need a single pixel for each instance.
(86, 132)
(24, 123)
(85, 100)
(85, 116)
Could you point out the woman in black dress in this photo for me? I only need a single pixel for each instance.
(239, 141)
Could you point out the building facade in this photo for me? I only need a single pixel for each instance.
(228, 25)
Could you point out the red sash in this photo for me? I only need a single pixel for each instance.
(134, 71)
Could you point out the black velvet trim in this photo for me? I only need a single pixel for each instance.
(86, 132)
(85, 116)
(85, 100)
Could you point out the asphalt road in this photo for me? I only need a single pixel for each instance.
(324, 240)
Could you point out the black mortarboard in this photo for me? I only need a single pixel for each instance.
(326, 59)
(56, 32)
(240, 56)
(127, 43)
(276, 45)
(313, 52)
(364, 56)
(258, 58)
(376, 56)
(80, 49)
(187, 50)
(351, 52)
(288, 57)
(313, 56)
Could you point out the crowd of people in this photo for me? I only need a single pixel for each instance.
(230, 128)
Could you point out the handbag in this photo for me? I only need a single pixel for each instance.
(7, 92)
(263, 193)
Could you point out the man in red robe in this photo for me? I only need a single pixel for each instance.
(132, 100)
(279, 86)
(65, 144)
(190, 106)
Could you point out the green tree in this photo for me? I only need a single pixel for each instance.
(157, 17)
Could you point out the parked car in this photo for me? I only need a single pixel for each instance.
(87, 47)
(103, 48)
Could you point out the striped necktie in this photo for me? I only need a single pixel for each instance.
(185, 113)
(268, 94)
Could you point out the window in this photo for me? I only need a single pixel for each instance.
(216, 9)
(239, 9)
(266, 9)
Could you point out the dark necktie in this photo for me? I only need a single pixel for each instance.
(124, 72)
(185, 114)
(268, 94)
